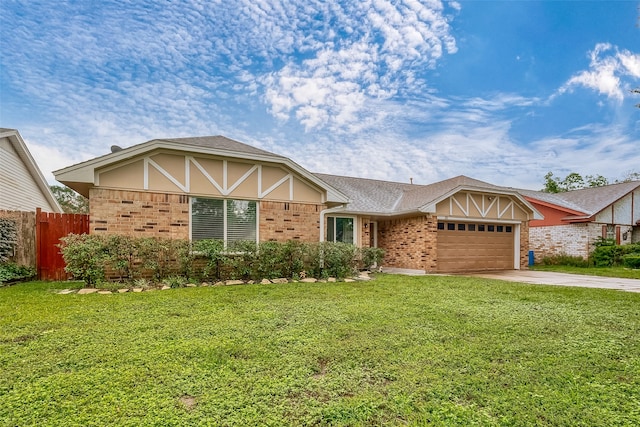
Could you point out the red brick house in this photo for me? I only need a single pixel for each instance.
(575, 219)
(214, 187)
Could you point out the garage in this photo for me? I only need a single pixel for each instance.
(470, 246)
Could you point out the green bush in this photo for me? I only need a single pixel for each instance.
(12, 272)
(92, 257)
(86, 256)
(336, 260)
(213, 252)
(608, 254)
(8, 238)
(631, 260)
(371, 257)
(565, 259)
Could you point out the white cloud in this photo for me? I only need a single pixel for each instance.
(608, 64)
(386, 42)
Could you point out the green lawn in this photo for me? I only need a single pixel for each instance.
(393, 351)
(591, 271)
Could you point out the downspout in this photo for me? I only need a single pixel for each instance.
(322, 215)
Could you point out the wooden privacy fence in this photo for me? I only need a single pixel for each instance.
(50, 228)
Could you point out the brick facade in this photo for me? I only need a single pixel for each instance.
(570, 239)
(282, 221)
(146, 214)
(139, 214)
(409, 242)
(524, 245)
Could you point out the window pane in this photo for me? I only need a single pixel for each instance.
(461, 227)
(207, 219)
(344, 230)
(490, 227)
(441, 226)
(241, 220)
(508, 229)
(472, 227)
(451, 226)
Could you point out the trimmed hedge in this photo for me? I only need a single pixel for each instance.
(631, 260)
(608, 254)
(94, 258)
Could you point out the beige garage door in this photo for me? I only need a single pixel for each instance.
(466, 246)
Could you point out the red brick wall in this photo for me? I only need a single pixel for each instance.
(139, 214)
(282, 221)
(409, 242)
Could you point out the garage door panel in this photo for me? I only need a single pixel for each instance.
(463, 250)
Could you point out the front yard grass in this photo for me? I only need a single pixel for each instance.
(623, 272)
(397, 350)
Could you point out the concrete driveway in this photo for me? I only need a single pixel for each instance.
(563, 279)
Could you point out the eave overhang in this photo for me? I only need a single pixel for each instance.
(82, 175)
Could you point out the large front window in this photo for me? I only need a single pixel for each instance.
(223, 219)
(340, 230)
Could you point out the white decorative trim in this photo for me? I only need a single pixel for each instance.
(274, 186)
(166, 175)
(206, 175)
(242, 179)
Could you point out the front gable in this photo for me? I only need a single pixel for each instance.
(214, 176)
(481, 205)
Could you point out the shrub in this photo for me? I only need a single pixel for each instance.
(608, 254)
(631, 260)
(371, 256)
(8, 238)
(565, 259)
(123, 253)
(12, 272)
(213, 251)
(240, 259)
(295, 258)
(270, 261)
(86, 256)
(336, 260)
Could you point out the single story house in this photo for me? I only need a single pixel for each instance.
(574, 220)
(22, 185)
(215, 187)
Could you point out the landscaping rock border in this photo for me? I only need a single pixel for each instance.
(362, 276)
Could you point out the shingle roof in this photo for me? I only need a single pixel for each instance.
(221, 143)
(552, 198)
(385, 197)
(367, 195)
(587, 200)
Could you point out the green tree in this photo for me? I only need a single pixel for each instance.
(69, 200)
(573, 181)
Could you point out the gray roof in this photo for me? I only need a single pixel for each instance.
(587, 200)
(221, 143)
(552, 198)
(386, 197)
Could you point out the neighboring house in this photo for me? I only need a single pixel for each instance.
(22, 185)
(214, 187)
(574, 220)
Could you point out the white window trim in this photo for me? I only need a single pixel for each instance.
(356, 226)
(224, 217)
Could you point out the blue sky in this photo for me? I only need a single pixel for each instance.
(500, 91)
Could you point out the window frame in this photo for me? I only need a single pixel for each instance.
(354, 220)
(225, 221)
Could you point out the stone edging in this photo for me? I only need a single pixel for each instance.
(363, 276)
